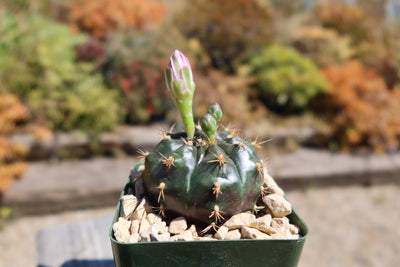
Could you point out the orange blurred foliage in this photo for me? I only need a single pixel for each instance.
(363, 111)
(11, 111)
(99, 16)
(11, 164)
(340, 16)
(346, 19)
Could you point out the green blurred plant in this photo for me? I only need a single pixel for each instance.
(55, 9)
(15, 5)
(7, 214)
(286, 80)
(37, 62)
(228, 30)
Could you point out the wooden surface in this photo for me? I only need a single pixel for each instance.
(69, 185)
(84, 244)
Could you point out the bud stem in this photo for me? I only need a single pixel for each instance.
(187, 117)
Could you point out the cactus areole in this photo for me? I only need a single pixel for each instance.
(200, 174)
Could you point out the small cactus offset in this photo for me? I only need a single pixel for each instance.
(201, 174)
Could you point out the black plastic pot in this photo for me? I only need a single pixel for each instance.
(243, 252)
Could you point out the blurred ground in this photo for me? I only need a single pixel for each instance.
(17, 239)
(352, 226)
(349, 226)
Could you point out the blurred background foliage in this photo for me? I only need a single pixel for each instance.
(287, 80)
(103, 16)
(67, 61)
(12, 165)
(228, 30)
(361, 108)
(37, 62)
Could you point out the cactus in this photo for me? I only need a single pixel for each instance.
(201, 174)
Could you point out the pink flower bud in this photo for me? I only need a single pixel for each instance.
(180, 69)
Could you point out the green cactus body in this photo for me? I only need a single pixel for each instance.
(202, 175)
(191, 178)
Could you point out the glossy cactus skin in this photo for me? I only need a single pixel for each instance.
(195, 178)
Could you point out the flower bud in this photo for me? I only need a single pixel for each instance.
(179, 77)
(209, 125)
(215, 111)
(179, 80)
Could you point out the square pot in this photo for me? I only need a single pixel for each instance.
(242, 252)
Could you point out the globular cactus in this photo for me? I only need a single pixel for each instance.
(200, 174)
